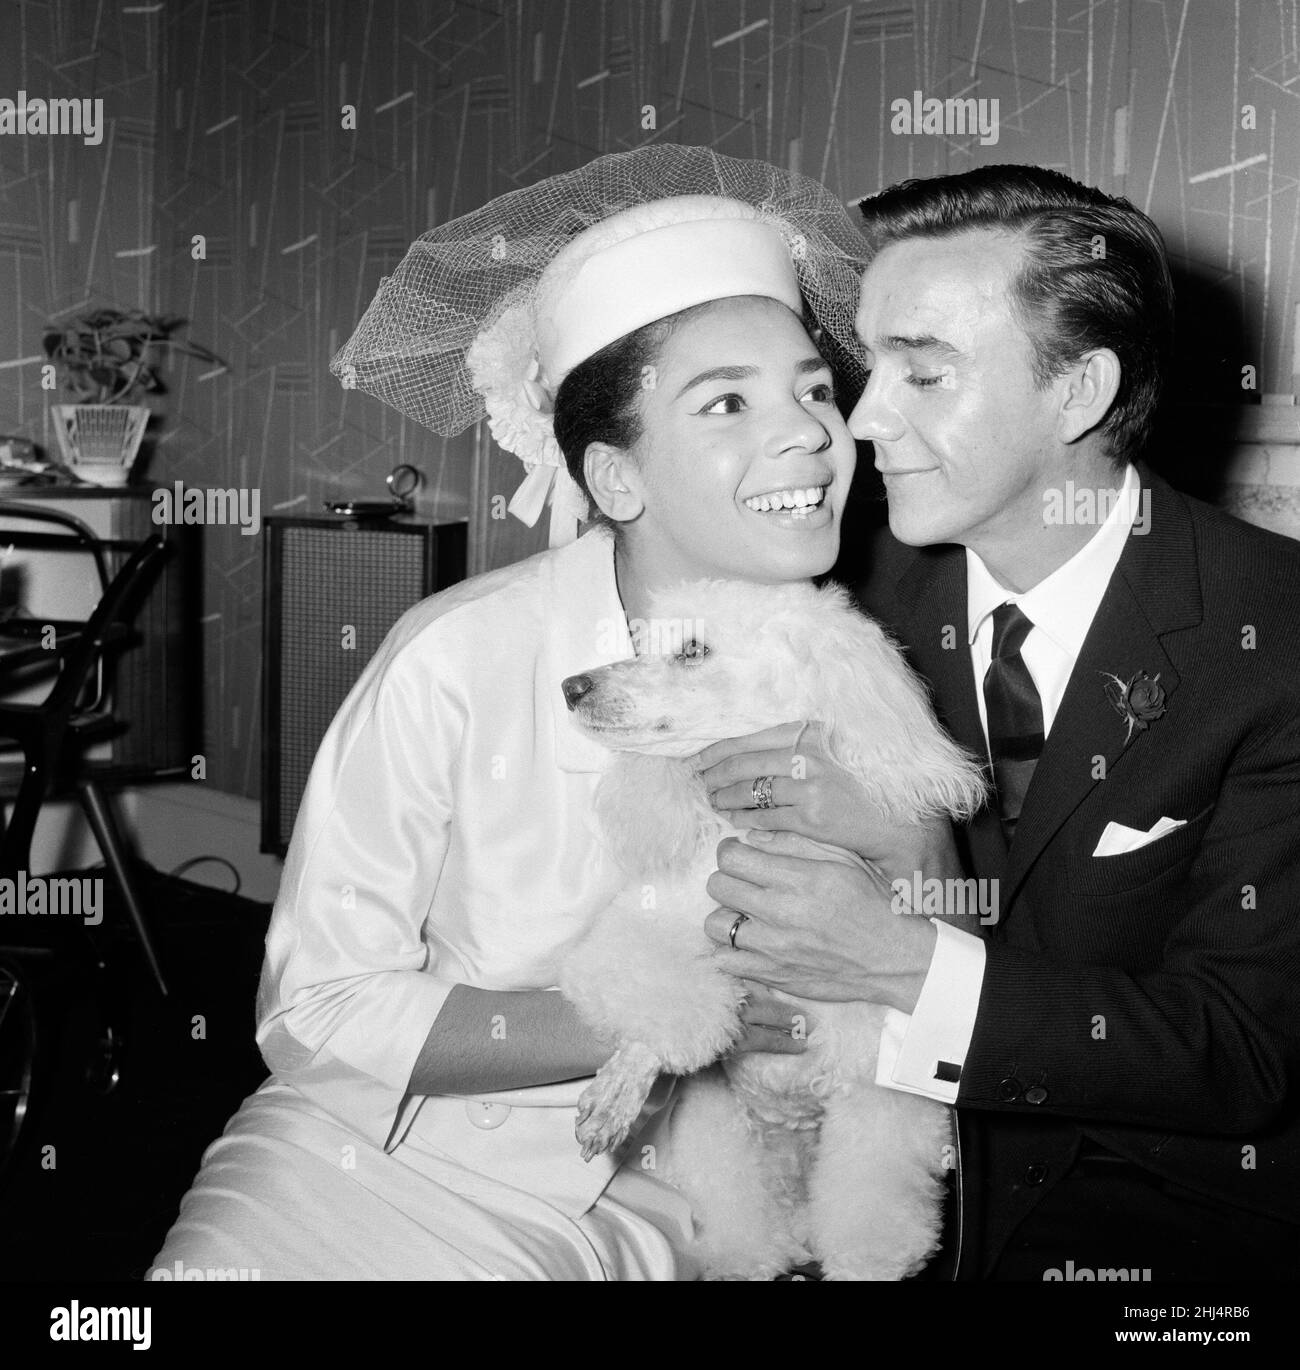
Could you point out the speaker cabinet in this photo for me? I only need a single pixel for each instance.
(332, 588)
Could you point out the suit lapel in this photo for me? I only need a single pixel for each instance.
(1089, 737)
(1154, 590)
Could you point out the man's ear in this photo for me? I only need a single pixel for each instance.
(612, 479)
(1088, 390)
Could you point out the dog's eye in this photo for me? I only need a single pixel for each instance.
(693, 651)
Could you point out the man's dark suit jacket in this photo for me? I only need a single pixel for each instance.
(1149, 1001)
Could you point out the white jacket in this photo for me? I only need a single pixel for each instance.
(447, 835)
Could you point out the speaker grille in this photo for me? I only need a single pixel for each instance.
(333, 593)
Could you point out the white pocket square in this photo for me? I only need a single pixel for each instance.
(1117, 839)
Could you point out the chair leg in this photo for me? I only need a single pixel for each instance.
(95, 803)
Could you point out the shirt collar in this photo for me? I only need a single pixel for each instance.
(1064, 603)
(586, 627)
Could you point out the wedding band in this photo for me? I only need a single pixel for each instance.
(762, 792)
(735, 928)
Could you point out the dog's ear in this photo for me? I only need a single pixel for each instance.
(654, 814)
(881, 728)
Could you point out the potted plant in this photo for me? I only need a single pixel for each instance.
(109, 358)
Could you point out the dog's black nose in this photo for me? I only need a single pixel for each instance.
(574, 687)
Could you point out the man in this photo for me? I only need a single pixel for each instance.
(1120, 1031)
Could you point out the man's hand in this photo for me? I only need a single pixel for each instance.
(814, 796)
(815, 928)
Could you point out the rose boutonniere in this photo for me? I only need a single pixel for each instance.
(1139, 700)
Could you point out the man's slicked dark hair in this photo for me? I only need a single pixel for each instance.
(1095, 274)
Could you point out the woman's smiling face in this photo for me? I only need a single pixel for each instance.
(744, 461)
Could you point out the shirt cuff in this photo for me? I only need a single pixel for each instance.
(923, 1052)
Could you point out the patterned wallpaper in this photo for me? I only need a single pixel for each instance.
(76, 220)
(224, 122)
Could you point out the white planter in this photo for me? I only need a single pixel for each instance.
(99, 442)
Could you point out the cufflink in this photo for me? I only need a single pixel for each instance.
(947, 1071)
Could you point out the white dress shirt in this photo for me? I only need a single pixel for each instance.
(1061, 607)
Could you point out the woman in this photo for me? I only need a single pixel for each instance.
(419, 1121)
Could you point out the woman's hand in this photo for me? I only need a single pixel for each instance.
(814, 796)
(771, 1024)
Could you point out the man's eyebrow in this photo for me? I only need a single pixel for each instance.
(919, 342)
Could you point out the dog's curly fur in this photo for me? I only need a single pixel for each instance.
(784, 1157)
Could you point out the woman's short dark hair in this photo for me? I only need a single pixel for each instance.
(1094, 274)
(599, 400)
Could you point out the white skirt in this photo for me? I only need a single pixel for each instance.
(271, 1201)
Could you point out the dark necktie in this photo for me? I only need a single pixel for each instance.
(1015, 715)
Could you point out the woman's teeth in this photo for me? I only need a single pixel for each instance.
(787, 499)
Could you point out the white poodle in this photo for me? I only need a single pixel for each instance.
(784, 1157)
